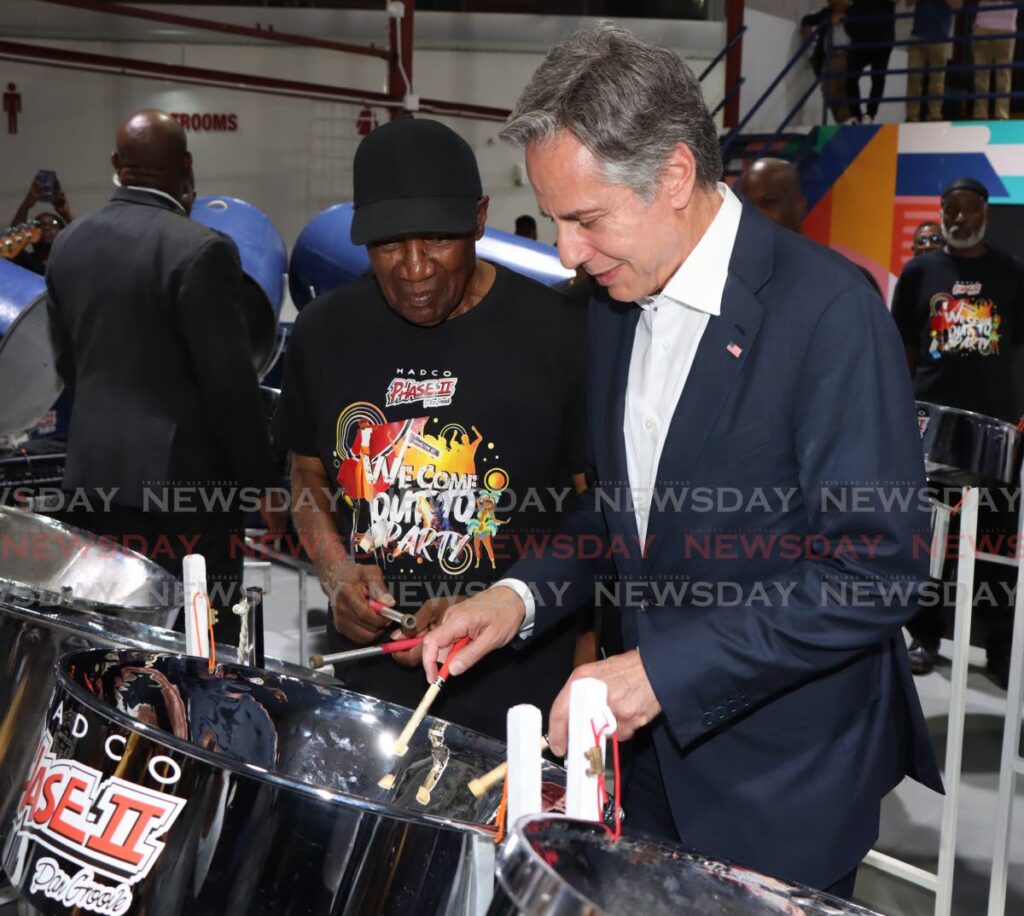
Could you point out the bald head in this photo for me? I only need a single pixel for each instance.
(773, 186)
(152, 152)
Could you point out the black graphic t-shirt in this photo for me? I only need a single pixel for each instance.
(450, 448)
(966, 317)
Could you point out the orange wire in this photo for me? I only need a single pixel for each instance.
(502, 811)
(209, 620)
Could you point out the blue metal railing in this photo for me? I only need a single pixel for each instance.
(827, 75)
(793, 61)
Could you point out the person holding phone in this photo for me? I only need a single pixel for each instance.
(45, 188)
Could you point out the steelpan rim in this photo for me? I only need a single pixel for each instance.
(973, 415)
(64, 682)
(88, 605)
(86, 625)
(518, 848)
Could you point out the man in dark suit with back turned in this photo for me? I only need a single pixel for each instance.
(747, 396)
(151, 342)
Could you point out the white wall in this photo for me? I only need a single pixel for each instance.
(290, 157)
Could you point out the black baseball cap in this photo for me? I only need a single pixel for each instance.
(414, 176)
(966, 184)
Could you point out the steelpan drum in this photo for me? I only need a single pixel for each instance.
(962, 448)
(264, 264)
(28, 373)
(43, 561)
(557, 866)
(159, 787)
(32, 638)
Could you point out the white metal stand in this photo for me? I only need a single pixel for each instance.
(1011, 764)
(301, 569)
(942, 882)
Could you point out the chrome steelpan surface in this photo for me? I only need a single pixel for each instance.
(259, 795)
(963, 448)
(32, 638)
(28, 370)
(557, 866)
(46, 562)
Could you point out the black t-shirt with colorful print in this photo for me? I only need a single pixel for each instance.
(966, 317)
(450, 449)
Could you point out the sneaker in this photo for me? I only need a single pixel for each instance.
(924, 655)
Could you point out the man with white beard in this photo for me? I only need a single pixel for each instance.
(960, 311)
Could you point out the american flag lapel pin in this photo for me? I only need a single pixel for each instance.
(735, 350)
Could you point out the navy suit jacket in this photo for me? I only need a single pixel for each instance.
(785, 549)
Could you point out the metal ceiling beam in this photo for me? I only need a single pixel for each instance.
(212, 25)
(223, 79)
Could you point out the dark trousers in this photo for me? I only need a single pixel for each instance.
(166, 538)
(877, 61)
(993, 584)
(647, 809)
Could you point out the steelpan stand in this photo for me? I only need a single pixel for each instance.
(1011, 764)
(941, 883)
(302, 569)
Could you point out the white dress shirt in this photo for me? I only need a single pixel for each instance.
(157, 191)
(664, 346)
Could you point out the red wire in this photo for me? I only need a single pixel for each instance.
(602, 786)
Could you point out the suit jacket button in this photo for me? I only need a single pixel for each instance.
(734, 706)
(720, 711)
(745, 701)
(708, 720)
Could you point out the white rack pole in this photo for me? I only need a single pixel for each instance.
(1011, 765)
(197, 606)
(958, 700)
(588, 702)
(524, 761)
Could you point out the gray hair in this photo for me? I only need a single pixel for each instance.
(629, 103)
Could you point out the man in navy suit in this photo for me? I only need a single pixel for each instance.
(754, 440)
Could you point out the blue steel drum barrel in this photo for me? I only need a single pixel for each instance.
(264, 263)
(324, 257)
(28, 374)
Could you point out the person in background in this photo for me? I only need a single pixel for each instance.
(927, 237)
(871, 25)
(151, 341)
(830, 54)
(526, 226)
(931, 31)
(34, 257)
(429, 449)
(774, 187)
(723, 352)
(989, 51)
(958, 309)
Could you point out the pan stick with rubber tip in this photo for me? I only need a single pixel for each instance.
(404, 620)
(402, 742)
(483, 784)
(384, 648)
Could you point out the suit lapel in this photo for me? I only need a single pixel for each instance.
(721, 356)
(616, 333)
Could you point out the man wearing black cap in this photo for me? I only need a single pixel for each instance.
(431, 412)
(958, 310)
